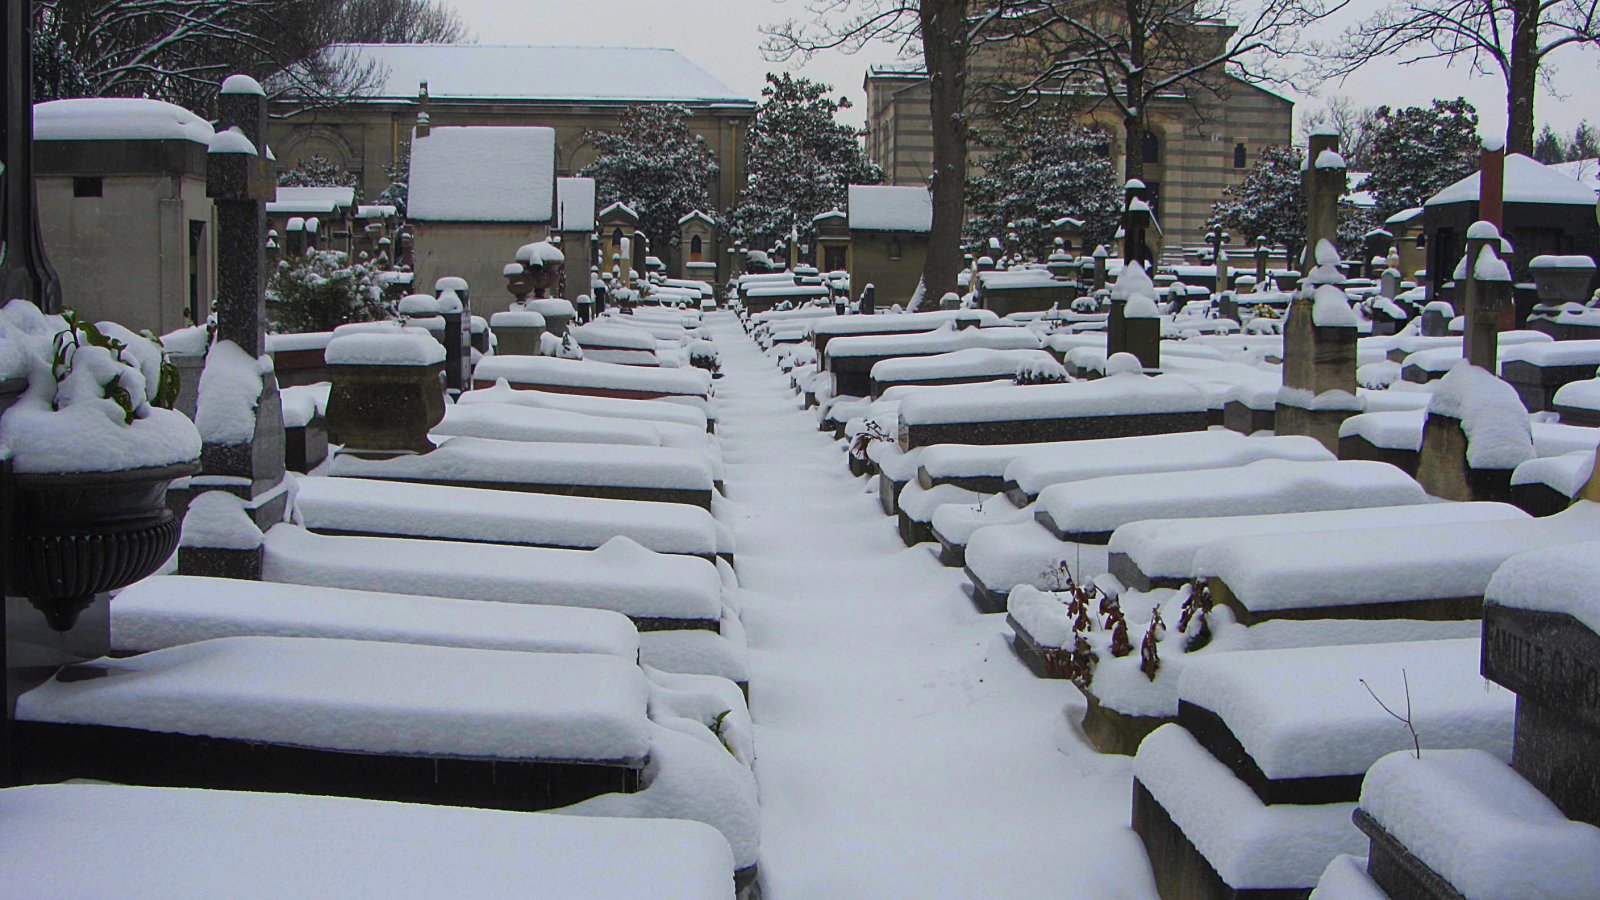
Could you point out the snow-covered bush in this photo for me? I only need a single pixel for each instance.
(322, 290)
(99, 397)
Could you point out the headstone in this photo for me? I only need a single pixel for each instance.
(869, 300)
(246, 462)
(1486, 295)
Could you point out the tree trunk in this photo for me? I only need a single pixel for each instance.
(1133, 152)
(944, 47)
(1522, 78)
(1133, 116)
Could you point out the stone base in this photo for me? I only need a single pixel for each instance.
(1577, 415)
(54, 752)
(1032, 431)
(1133, 578)
(1443, 470)
(889, 494)
(1536, 386)
(1539, 499)
(613, 492)
(950, 553)
(1441, 609)
(1322, 424)
(1213, 733)
(1110, 731)
(1358, 447)
(1181, 872)
(1045, 662)
(1099, 538)
(985, 600)
(305, 447)
(913, 532)
(217, 562)
(1238, 417)
(1396, 870)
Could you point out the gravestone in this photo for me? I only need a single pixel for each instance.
(243, 461)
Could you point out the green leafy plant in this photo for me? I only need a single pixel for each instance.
(79, 334)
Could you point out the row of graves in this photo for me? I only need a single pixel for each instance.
(427, 606)
(1279, 561)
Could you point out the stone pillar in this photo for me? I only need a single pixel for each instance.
(457, 337)
(1486, 295)
(1319, 337)
(1262, 251)
(245, 462)
(25, 270)
(869, 300)
(1137, 221)
(1100, 255)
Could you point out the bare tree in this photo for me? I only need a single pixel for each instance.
(1509, 38)
(1127, 53)
(1356, 126)
(946, 32)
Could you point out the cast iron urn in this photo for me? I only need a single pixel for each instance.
(79, 534)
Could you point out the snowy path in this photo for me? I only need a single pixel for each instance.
(903, 749)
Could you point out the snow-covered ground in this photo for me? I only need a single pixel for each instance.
(903, 751)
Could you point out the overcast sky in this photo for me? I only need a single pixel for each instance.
(724, 36)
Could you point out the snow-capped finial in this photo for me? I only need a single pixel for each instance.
(1134, 184)
(242, 84)
(1327, 253)
(1482, 231)
(1494, 143)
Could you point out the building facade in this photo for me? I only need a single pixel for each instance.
(571, 90)
(1198, 144)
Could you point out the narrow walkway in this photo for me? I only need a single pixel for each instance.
(903, 751)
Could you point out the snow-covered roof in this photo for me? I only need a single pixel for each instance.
(117, 119)
(521, 72)
(830, 214)
(484, 173)
(1526, 181)
(620, 208)
(1585, 171)
(883, 208)
(575, 204)
(697, 214)
(312, 200)
(1403, 216)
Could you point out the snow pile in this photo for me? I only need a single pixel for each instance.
(516, 318)
(594, 375)
(367, 697)
(1330, 306)
(230, 389)
(944, 339)
(608, 407)
(1552, 579)
(620, 576)
(1134, 287)
(883, 208)
(117, 119)
(1381, 565)
(1566, 474)
(483, 173)
(828, 326)
(1166, 548)
(1115, 395)
(478, 460)
(399, 347)
(976, 362)
(1329, 724)
(166, 842)
(92, 411)
(1346, 878)
(217, 519)
(167, 611)
(367, 506)
(1486, 831)
(509, 422)
(1490, 413)
(1257, 488)
(1554, 353)
(1249, 843)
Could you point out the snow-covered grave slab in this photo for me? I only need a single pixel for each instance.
(657, 591)
(1395, 437)
(1033, 470)
(603, 341)
(916, 505)
(964, 367)
(170, 610)
(1161, 552)
(1548, 484)
(1072, 522)
(606, 407)
(1578, 403)
(1539, 370)
(358, 506)
(1089, 511)
(168, 842)
(1346, 879)
(515, 422)
(1120, 405)
(851, 359)
(689, 386)
(1463, 822)
(1313, 743)
(1269, 776)
(359, 718)
(826, 329)
(1386, 572)
(1432, 363)
(585, 470)
(952, 524)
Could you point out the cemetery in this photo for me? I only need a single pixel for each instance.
(514, 528)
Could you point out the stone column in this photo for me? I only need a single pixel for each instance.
(1262, 251)
(1486, 294)
(245, 462)
(1324, 179)
(1100, 255)
(1136, 222)
(25, 270)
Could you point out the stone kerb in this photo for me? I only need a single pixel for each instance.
(388, 391)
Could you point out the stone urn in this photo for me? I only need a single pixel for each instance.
(1562, 279)
(79, 534)
(388, 391)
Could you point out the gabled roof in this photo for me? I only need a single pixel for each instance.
(575, 204)
(1526, 181)
(511, 72)
(619, 209)
(830, 214)
(483, 173)
(697, 214)
(885, 208)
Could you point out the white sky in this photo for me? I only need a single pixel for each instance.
(724, 37)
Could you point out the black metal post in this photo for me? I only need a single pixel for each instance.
(25, 270)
